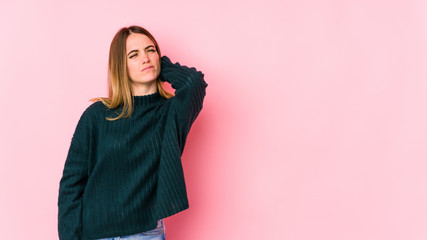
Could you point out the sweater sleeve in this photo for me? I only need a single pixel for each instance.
(190, 90)
(73, 182)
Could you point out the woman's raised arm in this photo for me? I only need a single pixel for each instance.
(190, 89)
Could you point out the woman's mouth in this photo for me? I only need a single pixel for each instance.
(147, 68)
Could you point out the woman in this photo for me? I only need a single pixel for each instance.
(123, 171)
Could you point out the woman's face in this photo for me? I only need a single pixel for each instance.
(143, 61)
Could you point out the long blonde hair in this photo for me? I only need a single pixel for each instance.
(119, 82)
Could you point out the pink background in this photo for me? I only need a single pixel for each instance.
(314, 125)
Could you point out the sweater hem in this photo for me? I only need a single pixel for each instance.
(127, 232)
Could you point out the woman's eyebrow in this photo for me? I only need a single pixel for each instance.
(136, 50)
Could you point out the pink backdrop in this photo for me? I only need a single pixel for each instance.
(314, 125)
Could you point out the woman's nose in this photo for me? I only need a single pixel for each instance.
(145, 58)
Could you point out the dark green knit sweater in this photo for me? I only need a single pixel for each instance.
(121, 176)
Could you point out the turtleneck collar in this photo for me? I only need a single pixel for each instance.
(147, 99)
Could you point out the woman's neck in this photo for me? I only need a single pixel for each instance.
(141, 89)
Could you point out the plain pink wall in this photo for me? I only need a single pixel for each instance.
(314, 124)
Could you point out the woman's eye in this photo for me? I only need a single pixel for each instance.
(132, 56)
(151, 50)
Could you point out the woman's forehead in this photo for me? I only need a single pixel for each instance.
(138, 40)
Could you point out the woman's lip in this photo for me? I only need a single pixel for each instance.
(146, 68)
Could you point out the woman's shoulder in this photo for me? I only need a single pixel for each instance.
(94, 110)
(96, 106)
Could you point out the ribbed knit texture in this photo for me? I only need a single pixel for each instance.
(121, 176)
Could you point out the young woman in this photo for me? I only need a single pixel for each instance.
(123, 171)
